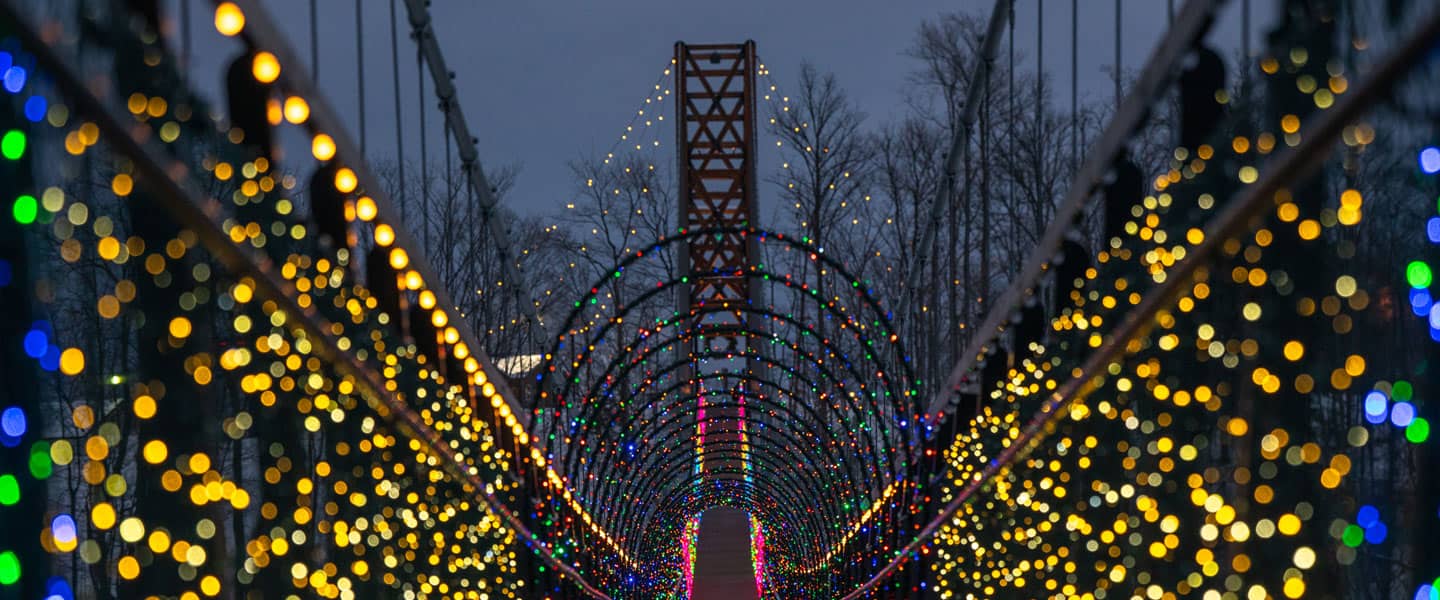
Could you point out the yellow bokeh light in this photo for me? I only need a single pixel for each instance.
(322, 146)
(296, 110)
(365, 208)
(122, 185)
(72, 361)
(384, 235)
(265, 67)
(128, 567)
(345, 180)
(155, 452)
(229, 19)
(144, 406)
(180, 327)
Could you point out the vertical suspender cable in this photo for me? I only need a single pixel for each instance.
(1117, 54)
(185, 34)
(424, 155)
(399, 127)
(1075, 84)
(979, 82)
(1169, 12)
(1010, 129)
(1245, 30)
(1010, 134)
(469, 155)
(314, 39)
(1039, 64)
(360, 66)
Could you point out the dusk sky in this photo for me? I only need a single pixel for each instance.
(544, 83)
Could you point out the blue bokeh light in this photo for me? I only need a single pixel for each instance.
(1376, 405)
(35, 108)
(1402, 414)
(1430, 160)
(1367, 516)
(12, 422)
(1420, 301)
(14, 79)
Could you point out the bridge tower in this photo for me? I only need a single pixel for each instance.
(715, 140)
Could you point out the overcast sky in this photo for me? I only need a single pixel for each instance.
(546, 82)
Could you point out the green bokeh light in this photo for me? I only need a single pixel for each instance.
(1402, 391)
(1418, 274)
(9, 490)
(9, 568)
(1418, 431)
(40, 466)
(25, 209)
(1353, 536)
(12, 146)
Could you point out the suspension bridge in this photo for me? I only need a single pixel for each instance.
(237, 363)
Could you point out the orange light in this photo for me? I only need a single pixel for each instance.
(323, 147)
(427, 299)
(384, 235)
(229, 19)
(265, 67)
(438, 318)
(273, 112)
(345, 180)
(398, 258)
(365, 208)
(297, 110)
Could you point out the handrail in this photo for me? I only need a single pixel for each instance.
(169, 179)
(1294, 163)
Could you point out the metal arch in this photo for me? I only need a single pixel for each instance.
(668, 427)
(883, 373)
(679, 497)
(684, 482)
(862, 335)
(672, 505)
(804, 328)
(897, 402)
(628, 425)
(868, 299)
(831, 458)
(586, 415)
(586, 410)
(869, 438)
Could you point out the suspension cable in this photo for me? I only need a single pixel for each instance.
(978, 84)
(314, 39)
(1074, 85)
(399, 127)
(420, 23)
(424, 153)
(360, 66)
(185, 34)
(1118, 65)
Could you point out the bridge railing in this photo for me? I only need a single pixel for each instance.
(1218, 404)
(206, 399)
